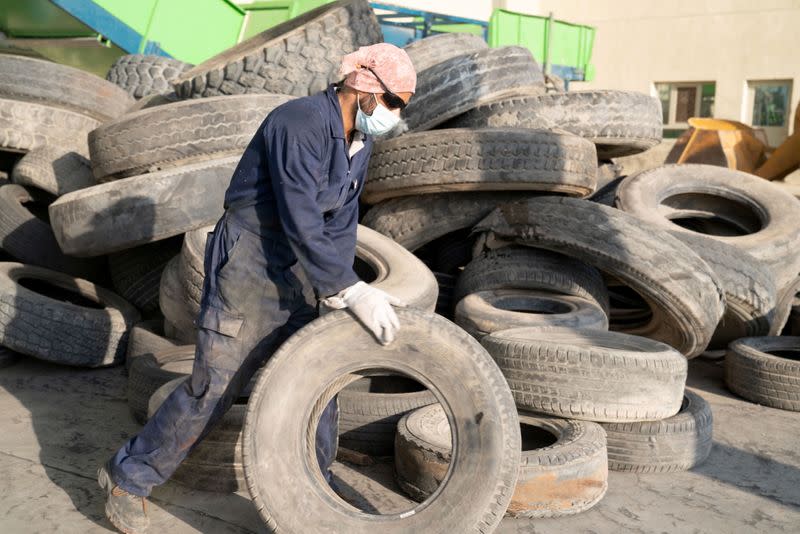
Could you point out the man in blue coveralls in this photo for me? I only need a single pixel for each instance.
(286, 241)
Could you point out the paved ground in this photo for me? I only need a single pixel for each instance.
(57, 424)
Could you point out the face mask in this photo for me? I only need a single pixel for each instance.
(379, 123)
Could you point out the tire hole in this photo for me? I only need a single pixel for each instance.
(43, 287)
(537, 305)
(711, 214)
(364, 270)
(789, 354)
(536, 437)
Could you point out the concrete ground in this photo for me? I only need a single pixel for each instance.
(57, 424)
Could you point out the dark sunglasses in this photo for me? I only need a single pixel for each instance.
(391, 99)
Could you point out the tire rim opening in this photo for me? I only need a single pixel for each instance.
(789, 354)
(627, 309)
(711, 214)
(537, 305)
(536, 437)
(365, 271)
(43, 287)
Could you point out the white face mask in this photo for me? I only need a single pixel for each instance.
(380, 122)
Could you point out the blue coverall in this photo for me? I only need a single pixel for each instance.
(287, 238)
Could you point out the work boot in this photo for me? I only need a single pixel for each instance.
(127, 512)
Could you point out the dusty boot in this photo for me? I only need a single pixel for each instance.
(128, 513)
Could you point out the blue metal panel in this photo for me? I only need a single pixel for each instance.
(103, 22)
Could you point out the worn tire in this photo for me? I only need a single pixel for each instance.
(436, 49)
(62, 328)
(564, 477)
(54, 170)
(476, 492)
(481, 160)
(136, 272)
(25, 126)
(765, 370)
(141, 75)
(61, 86)
(680, 288)
(619, 123)
(127, 213)
(765, 214)
(786, 300)
(466, 81)
(179, 316)
(298, 57)
(677, 443)
(485, 312)
(147, 337)
(174, 135)
(148, 372)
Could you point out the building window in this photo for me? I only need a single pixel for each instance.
(770, 104)
(682, 100)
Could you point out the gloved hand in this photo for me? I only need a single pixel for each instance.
(372, 307)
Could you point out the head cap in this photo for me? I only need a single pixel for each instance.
(392, 64)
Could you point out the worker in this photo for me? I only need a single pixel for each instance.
(285, 242)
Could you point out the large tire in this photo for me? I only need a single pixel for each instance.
(298, 57)
(62, 319)
(764, 215)
(765, 370)
(173, 135)
(148, 372)
(127, 213)
(147, 337)
(54, 170)
(481, 160)
(291, 494)
(430, 51)
(485, 312)
(140, 75)
(179, 316)
(563, 470)
(30, 239)
(136, 273)
(619, 123)
(590, 375)
(61, 86)
(680, 288)
(532, 269)
(677, 443)
(463, 82)
(25, 126)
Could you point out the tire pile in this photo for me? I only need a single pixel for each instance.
(485, 206)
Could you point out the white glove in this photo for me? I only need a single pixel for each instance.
(372, 307)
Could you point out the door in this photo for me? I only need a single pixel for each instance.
(769, 103)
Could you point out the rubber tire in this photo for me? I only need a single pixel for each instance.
(589, 374)
(136, 272)
(681, 289)
(127, 213)
(148, 372)
(481, 160)
(463, 82)
(758, 376)
(784, 307)
(25, 126)
(777, 244)
(436, 49)
(57, 330)
(532, 269)
(141, 75)
(677, 443)
(8, 357)
(61, 86)
(174, 135)
(30, 239)
(179, 316)
(54, 170)
(478, 490)
(485, 312)
(619, 123)
(147, 337)
(298, 57)
(565, 478)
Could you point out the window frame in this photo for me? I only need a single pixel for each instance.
(673, 100)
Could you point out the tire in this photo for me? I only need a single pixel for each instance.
(298, 57)
(677, 443)
(532, 269)
(55, 85)
(589, 374)
(136, 273)
(446, 303)
(763, 213)
(141, 75)
(8, 357)
(619, 123)
(466, 81)
(148, 372)
(436, 49)
(74, 323)
(783, 308)
(765, 370)
(370, 408)
(147, 337)
(26, 234)
(680, 288)
(178, 315)
(564, 477)
(54, 170)
(174, 135)
(481, 160)
(476, 492)
(127, 213)
(490, 311)
(606, 195)
(25, 126)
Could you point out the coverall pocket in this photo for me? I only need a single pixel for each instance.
(225, 323)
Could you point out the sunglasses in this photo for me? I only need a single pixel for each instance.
(391, 99)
